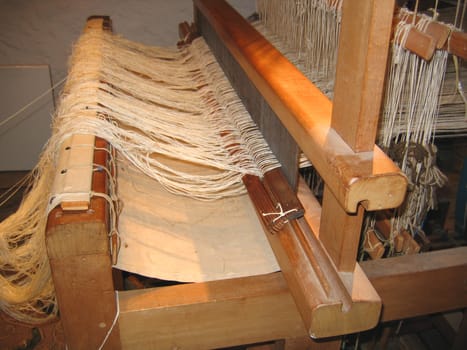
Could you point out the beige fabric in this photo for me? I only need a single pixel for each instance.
(178, 238)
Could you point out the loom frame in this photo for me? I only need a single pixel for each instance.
(252, 309)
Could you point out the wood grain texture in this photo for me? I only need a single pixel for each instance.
(457, 44)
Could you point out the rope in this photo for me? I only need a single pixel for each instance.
(33, 102)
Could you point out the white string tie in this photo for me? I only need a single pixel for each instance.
(280, 214)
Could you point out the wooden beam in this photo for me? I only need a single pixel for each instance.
(414, 285)
(329, 306)
(209, 315)
(458, 44)
(361, 68)
(260, 308)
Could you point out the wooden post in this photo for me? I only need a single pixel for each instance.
(361, 67)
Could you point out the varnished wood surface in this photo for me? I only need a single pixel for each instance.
(457, 44)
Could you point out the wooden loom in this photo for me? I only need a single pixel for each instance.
(321, 290)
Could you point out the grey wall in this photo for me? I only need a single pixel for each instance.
(38, 32)
(42, 31)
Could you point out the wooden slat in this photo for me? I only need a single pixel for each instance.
(306, 113)
(340, 232)
(279, 189)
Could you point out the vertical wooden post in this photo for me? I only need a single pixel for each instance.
(340, 232)
(361, 67)
(360, 72)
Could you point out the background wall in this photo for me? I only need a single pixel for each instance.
(41, 32)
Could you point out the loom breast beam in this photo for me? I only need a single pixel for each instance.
(79, 255)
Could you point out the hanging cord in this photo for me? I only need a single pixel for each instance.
(461, 26)
(435, 11)
(13, 190)
(458, 7)
(415, 13)
(38, 98)
(117, 313)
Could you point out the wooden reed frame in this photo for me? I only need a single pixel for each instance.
(252, 309)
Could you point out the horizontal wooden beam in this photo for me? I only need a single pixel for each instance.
(260, 308)
(420, 284)
(368, 177)
(209, 315)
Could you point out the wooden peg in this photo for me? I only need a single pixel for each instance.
(420, 43)
(373, 245)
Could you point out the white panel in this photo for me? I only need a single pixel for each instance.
(23, 137)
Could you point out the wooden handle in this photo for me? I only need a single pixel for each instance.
(420, 43)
